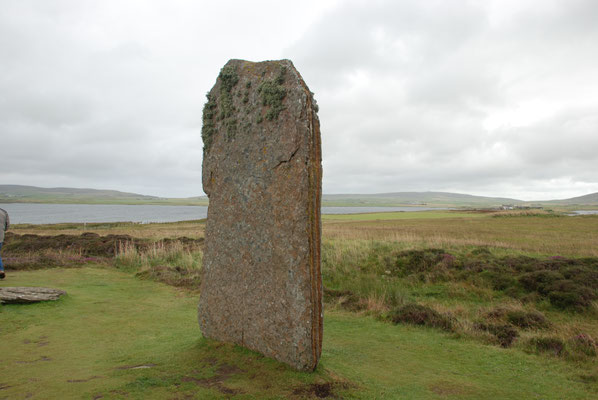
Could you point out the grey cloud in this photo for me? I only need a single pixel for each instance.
(407, 90)
(384, 37)
(469, 96)
(567, 139)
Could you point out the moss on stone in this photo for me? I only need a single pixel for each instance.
(228, 78)
(221, 107)
(231, 129)
(273, 94)
(226, 106)
(209, 126)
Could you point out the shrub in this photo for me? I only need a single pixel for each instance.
(582, 276)
(557, 263)
(551, 345)
(484, 251)
(417, 314)
(539, 281)
(332, 294)
(498, 312)
(345, 298)
(417, 261)
(527, 319)
(504, 333)
(520, 263)
(174, 276)
(566, 294)
(499, 280)
(584, 344)
(518, 292)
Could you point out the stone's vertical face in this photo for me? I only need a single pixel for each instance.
(262, 170)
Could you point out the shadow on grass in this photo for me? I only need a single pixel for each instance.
(211, 369)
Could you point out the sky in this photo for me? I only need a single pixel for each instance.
(495, 97)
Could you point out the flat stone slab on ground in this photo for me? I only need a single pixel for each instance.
(15, 295)
(261, 286)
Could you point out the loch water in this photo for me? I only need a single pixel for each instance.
(28, 213)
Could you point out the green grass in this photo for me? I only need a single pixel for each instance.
(396, 362)
(84, 345)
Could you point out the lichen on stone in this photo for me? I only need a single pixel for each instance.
(209, 126)
(273, 93)
(228, 79)
(231, 129)
(220, 108)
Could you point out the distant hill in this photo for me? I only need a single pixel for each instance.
(445, 199)
(437, 199)
(32, 194)
(588, 199)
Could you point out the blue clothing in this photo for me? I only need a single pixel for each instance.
(4, 224)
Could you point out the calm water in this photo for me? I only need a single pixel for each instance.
(21, 213)
(585, 212)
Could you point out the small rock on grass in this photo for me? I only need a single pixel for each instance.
(15, 295)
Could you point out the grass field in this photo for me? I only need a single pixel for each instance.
(114, 336)
(391, 216)
(538, 233)
(422, 305)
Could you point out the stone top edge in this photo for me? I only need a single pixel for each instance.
(240, 61)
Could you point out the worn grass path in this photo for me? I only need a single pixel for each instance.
(115, 336)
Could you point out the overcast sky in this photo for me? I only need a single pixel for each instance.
(482, 97)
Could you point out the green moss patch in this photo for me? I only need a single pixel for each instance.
(272, 94)
(220, 108)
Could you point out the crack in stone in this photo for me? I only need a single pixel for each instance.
(290, 158)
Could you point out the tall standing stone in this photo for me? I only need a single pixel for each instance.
(262, 171)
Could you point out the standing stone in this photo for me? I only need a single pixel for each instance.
(262, 171)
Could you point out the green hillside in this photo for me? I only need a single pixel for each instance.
(588, 199)
(436, 199)
(33, 194)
